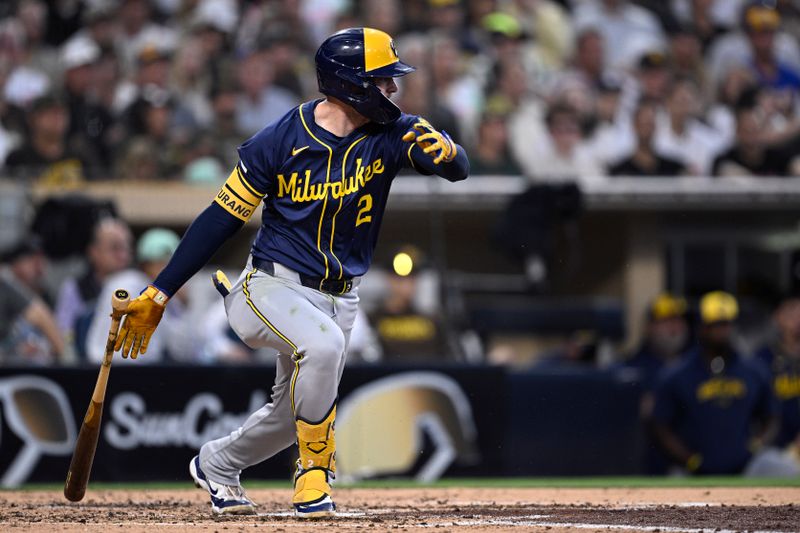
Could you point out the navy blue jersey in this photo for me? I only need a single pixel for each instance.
(785, 373)
(713, 413)
(324, 195)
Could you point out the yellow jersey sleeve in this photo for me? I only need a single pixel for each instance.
(238, 197)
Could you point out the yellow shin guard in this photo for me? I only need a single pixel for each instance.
(317, 447)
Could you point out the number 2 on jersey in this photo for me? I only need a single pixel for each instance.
(363, 216)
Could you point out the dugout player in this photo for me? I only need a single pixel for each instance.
(666, 336)
(715, 409)
(323, 171)
(665, 339)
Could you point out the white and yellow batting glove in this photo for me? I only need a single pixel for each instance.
(437, 144)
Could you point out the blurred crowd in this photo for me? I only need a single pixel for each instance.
(553, 89)
(58, 312)
(56, 287)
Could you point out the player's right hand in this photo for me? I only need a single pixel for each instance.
(141, 318)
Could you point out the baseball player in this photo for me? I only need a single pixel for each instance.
(323, 172)
(714, 409)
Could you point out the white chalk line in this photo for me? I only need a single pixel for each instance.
(291, 514)
(650, 506)
(538, 521)
(669, 529)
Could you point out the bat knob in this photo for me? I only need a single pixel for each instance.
(121, 294)
(119, 301)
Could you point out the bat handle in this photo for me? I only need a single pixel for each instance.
(119, 304)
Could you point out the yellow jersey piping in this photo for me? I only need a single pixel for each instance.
(325, 201)
(341, 200)
(295, 354)
(410, 159)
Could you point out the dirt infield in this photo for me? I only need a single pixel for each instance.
(657, 510)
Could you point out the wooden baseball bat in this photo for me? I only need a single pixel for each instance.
(81, 465)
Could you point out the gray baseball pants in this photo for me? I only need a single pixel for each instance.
(310, 329)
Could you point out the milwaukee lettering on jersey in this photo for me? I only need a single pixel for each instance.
(323, 196)
(300, 189)
(721, 389)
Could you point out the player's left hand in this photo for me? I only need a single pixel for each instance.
(141, 318)
(437, 144)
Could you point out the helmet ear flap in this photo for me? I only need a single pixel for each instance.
(340, 85)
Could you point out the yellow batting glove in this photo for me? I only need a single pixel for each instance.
(437, 144)
(141, 318)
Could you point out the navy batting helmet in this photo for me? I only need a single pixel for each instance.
(347, 63)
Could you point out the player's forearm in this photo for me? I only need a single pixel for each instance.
(455, 170)
(207, 233)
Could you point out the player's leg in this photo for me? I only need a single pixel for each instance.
(266, 432)
(272, 428)
(319, 347)
(316, 440)
(265, 311)
(346, 307)
(316, 328)
(296, 320)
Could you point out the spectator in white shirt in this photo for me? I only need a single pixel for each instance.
(561, 154)
(681, 135)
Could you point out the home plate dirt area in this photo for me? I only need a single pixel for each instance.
(657, 510)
